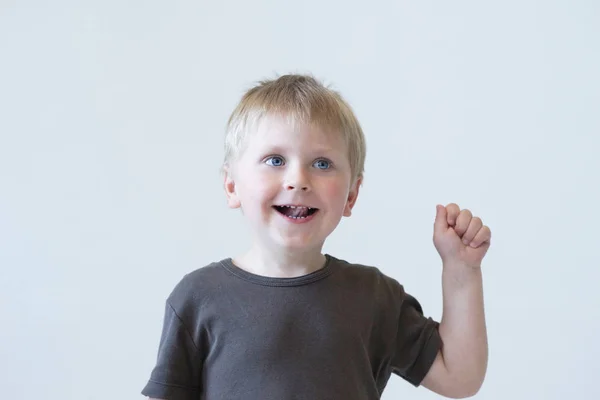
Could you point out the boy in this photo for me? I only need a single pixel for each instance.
(284, 321)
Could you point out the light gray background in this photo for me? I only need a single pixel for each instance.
(111, 123)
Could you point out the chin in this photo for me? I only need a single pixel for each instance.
(296, 244)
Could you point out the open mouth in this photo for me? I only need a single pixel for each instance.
(296, 212)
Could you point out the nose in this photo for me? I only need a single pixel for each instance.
(296, 179)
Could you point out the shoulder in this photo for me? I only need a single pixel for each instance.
(370, 276)
(197, 287)
(383, 292)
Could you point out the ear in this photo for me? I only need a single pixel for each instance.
(233, 200)
(352, 196)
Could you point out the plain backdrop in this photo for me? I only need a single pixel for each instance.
(111, 128)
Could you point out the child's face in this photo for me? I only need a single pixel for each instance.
(281, 167)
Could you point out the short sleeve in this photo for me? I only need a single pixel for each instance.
(417, 342)
(178, 369)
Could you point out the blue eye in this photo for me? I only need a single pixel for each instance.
(322, 164)
(275, 161)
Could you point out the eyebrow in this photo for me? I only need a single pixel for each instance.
(282, 149)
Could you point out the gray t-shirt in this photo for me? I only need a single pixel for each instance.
(337, 333)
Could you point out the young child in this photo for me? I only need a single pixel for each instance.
(285, 321)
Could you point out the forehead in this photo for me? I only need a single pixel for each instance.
(286, 130)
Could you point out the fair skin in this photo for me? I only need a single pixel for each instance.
(280, 166)
(462, 241)
(308, 167)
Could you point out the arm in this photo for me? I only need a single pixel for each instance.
(460, 367)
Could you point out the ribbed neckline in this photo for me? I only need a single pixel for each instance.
(317, 275)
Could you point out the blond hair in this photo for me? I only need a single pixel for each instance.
(302, 99)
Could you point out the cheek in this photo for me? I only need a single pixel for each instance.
(336, 192)
(258, 187)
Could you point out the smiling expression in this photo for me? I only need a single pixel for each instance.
(292, 184)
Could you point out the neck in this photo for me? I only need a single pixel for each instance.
(281, 263)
